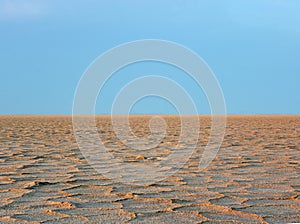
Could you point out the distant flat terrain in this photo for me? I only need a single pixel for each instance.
(255, 177)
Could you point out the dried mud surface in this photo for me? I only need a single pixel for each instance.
(255, 177)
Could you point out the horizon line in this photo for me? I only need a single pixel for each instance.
(121, 114)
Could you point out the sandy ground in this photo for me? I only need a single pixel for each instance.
(255, 177)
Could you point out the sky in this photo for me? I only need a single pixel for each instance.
(253, 48)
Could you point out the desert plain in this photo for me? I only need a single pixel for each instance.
(254, 178)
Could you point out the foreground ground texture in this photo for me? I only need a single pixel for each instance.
(255, 177)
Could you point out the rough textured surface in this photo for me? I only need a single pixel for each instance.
(255, 177)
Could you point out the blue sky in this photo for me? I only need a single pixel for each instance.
(253, 47)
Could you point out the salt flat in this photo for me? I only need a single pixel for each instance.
(255, 177)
